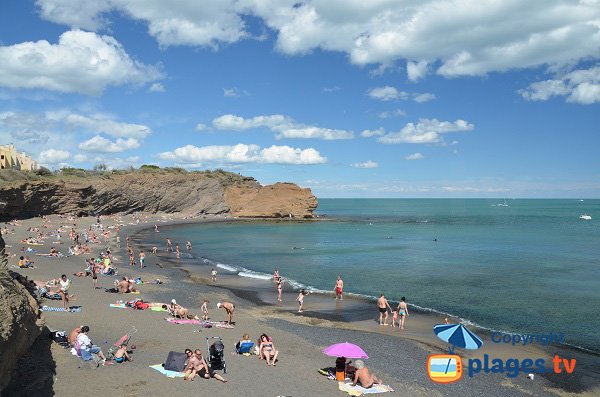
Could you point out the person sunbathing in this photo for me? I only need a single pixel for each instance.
(245, 339)
(125, 286)
(267, 350)
(178, 311)
(121, 355)
(198, 366)
(74, 334)
(363, 376)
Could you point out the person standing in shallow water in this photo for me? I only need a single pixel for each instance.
(402, 312)
(339, 287)
(169, 245)
(383, 306)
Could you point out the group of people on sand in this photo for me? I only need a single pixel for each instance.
(177, 311)
(398, 315)
(265, 348)
(197, 365)
(80, 341)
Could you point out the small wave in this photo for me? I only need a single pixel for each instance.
(256, 275)
(229, 268)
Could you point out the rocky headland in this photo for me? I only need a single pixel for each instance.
(153, 190)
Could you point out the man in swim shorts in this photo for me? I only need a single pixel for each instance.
(229, 308)
(363, 376)
(383, 306)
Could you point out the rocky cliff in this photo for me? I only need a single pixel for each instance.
(20, 322)
(190, 193)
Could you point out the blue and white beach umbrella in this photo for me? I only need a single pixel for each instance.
(458, 336)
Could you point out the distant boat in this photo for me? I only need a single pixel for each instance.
(504, 204)
(585, 217)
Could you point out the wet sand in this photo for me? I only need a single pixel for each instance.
(398, 357)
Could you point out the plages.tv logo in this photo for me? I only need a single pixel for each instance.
(448, 368)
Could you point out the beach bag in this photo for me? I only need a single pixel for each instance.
(175, 361)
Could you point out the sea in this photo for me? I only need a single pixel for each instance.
(518, 265)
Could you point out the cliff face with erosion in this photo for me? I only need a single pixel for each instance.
(187, 193)
(20, 322)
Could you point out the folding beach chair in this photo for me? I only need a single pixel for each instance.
(123, 341)
(245, 348)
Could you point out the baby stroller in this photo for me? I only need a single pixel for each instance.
(117, 345)
(216, 354)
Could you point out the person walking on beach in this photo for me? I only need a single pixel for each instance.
(131, 256)
(64, 283)
(229, 308)
(94, 271)
(279, 290)
(204, 309)
(177, 254)
(169, 245)
(339, 287)
(118, 242)
(142, 257)
(402, 311)
(300, 299)
(383, 306)
(213, 275)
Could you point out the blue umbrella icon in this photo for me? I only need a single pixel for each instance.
(458, 336)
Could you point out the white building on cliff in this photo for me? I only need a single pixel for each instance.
(10, 158)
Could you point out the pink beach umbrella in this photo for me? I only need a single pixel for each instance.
(349, 350)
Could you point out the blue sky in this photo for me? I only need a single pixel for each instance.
(354, 99)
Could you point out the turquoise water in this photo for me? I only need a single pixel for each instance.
(531, 266)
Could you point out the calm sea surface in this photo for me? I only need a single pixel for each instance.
(531, 266)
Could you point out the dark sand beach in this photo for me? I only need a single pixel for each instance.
(397, 357)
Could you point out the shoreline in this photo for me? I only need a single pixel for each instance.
(362, 315)
(299, 337)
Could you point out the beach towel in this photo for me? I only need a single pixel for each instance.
(118, 305)
(359, 391)
(182, 321)
(170, 374)
(74, 309)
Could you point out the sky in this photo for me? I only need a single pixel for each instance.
(352, 98)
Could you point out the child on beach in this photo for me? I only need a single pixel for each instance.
(395, 318)
(204, 309)
(300, 299)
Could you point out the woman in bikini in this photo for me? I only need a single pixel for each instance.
(402, 311)
(267, 350)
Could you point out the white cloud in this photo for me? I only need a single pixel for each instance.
(100, 144)
(415, 156)
(366, 164)
(53, 156)
(370, 133)
(425, 97)
(201, 127)
(284, 126)
(234, 92)
(392, 113)
(416, 70)
(81, 62)
(314, 132)
(242, 153)
(157, 87)
(331, 89)
(101, 123)
(80, 158)
(388, 93)
(425, 131)
(579, 86)
(469, 37)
